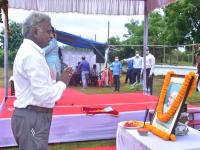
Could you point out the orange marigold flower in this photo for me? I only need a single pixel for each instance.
(172, 137)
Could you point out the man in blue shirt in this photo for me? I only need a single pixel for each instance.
(84, 68)
(129, 73)
(116, 68)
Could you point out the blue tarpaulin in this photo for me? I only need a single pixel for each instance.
(79, 42)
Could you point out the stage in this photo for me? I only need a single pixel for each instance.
(70, 124)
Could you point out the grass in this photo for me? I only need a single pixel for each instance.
(77, 145)
(158, 81)
(2, 76)
(91, 90)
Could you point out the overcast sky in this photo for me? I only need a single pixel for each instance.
(85, 25)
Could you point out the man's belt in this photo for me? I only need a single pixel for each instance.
(39, 109)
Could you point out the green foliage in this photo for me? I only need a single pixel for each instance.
(114, 41)
(156, 26)
(176, 24)
(182, 22)
(11, 57)
(135, 33)
(15, 37)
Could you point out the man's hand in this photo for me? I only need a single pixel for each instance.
(66, 75)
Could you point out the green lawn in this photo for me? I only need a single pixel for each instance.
(158, 81)
(2, 76)
(76, 145)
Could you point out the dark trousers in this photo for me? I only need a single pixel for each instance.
(77, 78)
(117, 82)
(93, 80)
(149, 80)
(136, 74)
(129, 75)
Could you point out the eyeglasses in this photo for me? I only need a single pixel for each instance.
(47, 31)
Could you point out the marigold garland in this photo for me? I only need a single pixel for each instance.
(160, 133)
(165, 117)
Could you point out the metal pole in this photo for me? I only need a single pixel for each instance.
(108, 32)
(145, 44)
(5, 56)
(193, 51)
(164, 54)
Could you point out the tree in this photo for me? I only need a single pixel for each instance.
(182, 22)
(135, 33)
(156, 29)
(156, 36)
(114, 41)
(15, 37)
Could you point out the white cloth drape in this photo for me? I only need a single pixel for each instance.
(71, 57)
(131, 140)
(75, 127)
(106, 7)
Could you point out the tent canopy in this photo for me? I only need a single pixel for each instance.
(79, 42)
(106, 7)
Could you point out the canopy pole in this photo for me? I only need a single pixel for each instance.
(5, 51)
(106, 57)
(145, 45)
(5, 10)
(108, 32)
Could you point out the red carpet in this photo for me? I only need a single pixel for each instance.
(72, 102)
(99, 148)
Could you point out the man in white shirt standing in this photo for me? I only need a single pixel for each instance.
(36, 92)
(150, 65)
(137, 67)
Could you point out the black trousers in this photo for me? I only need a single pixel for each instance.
(117, 82)
(129, 75)
(149, 80)
(136, 74)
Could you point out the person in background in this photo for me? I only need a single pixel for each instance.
(84, 68)
(94, 75)
(116, 69)
(129, 73)
(36, 93)
(78, 79)
(60, 55)
(137, 67)
(198, 71)
(150, 65)
(52, 56)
